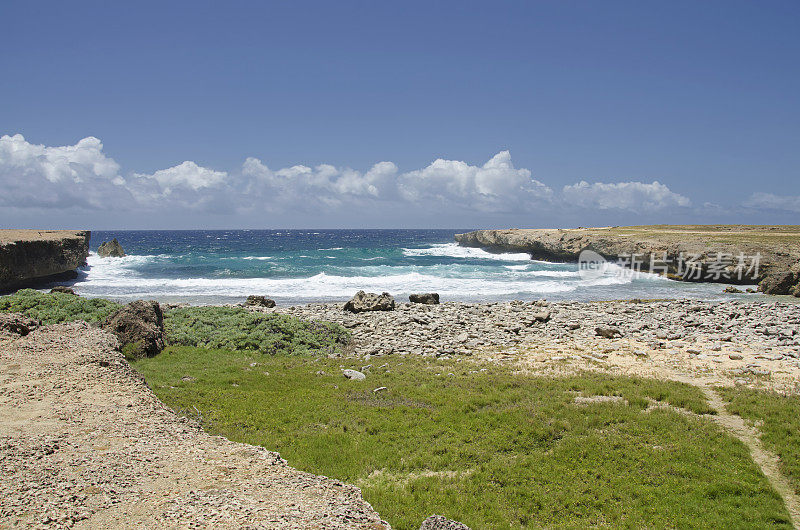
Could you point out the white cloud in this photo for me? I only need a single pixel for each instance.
(79, 175)
(770, 201)
(635, 196)
(187, 175)
(495, 186)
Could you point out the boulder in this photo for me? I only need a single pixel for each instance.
(781, 281)
(62, 289)
(259, 301)
(355, 375)
(370, 302)
(139, 326)
(111, 249)
(731, 289)
(608, 333)
(17, 323)
(440, 522)
(424, 298)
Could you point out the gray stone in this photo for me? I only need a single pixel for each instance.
(17, 323)
(259, 301)
(355, 375)
(608, 333)
(424, 298)
(362, 302)
(62, 289)
(440, 522)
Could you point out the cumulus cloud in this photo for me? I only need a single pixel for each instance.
(634, 196)
(770, 201)
(187, 175)
(82, 176)
(495, 186)
(79, 175)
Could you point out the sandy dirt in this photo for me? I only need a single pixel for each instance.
(84, 443)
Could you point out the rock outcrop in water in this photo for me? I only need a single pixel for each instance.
(777, 248)
(31, 257)
(111, 249)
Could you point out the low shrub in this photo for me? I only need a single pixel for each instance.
(233, 328)
(57, 307)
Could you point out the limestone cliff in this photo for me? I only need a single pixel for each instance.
(30, 257)
(778, 248)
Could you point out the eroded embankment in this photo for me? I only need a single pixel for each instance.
(85, 443)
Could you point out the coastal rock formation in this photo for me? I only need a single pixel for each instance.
(32, 257)
(111, 249)
(85, 443)
(259, 301)
(139, 326)
(424, 298)
(732, 254)
(369, 302)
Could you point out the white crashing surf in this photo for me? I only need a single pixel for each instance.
(454, 250)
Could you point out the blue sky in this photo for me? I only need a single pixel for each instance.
(593, 101)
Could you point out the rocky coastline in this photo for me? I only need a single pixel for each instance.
(35, 257)
(663, 248)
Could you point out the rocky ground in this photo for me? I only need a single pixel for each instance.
(736, 342)
(84, 443)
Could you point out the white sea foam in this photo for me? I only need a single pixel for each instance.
(260, 258)
(454, 250)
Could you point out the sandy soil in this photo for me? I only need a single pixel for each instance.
(84, 443)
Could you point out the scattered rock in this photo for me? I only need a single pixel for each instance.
(370, 302)
(424, 298)
(735, 356)
(731, 289)
(440, 522)
(139, 326)
(111, 249)
(573, 326)
(17, 323)
(607, 333)
(62, 289)
(259, 301)
(542, 316)
(355, 375)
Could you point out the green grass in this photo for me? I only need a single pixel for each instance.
(56, 307)
(491, 448)
(778, 419)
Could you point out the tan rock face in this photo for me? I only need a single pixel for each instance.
(778, 248)
(28, 257)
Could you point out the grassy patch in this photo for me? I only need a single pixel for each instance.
(777, 417)
(57, 307)
(480, 444)
(239, 329)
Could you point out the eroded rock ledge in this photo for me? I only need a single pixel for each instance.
(777, 246)
(30, 257)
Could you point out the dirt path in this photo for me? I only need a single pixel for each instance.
(84, 443)
(766, 460)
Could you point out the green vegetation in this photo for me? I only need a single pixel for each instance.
(57, 307)
(207, 327)
(480, 443)
(777, 417)
(239, 329)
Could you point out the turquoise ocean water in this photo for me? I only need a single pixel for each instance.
(300, 266)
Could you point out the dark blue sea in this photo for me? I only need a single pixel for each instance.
(300, 266)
